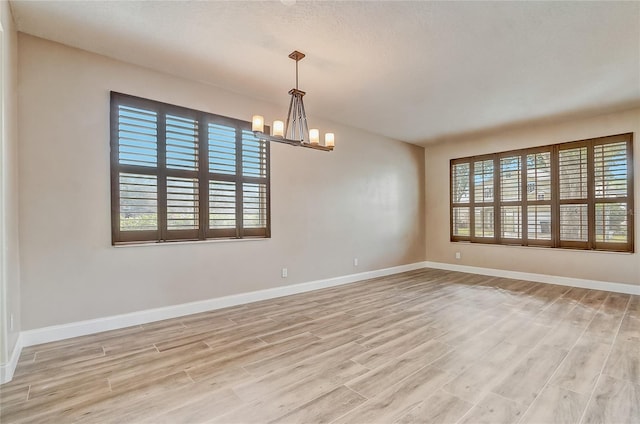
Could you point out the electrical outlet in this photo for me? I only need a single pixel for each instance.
(285, 272)
(11, 322)
(458, 255)
(355, 261)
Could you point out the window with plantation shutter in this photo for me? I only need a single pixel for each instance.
(182, 174)
(572, 195)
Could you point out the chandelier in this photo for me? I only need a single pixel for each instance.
(296, 131)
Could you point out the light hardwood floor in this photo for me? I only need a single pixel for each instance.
(423, 346)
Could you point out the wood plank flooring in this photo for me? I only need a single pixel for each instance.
(426, 346)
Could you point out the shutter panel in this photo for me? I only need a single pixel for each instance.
(182, 203)
(510, 179)
(138, 202)
(137, 137)
(222, 205)
(573, 189)
(483, 181)
(253, 156)
(181, 143)
(461, 221)
(538, 198)
(137, 152)
(539, 222)
(222, 149)
(460, 183)
(573, 173)
(254, 205)
(574, 223)
(484, 221)
(510, 191)
(611, 191)
(612, 225)
(539, 177)
(610, 169)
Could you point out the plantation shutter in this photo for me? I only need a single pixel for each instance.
(181, 174)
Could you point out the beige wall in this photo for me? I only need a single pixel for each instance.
(9, 265)
(613, 267)
(365, 199)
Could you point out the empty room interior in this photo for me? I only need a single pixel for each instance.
(319, 212)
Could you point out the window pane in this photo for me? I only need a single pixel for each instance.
(483, 181)
(222, 204)
(510, 182)
(610, 163)
(137, 136)
(461, 221)
(182, 203)
(254, 205)
(460, 183)
(222, 149)
(611, 222)
(539, 176)
(484, 221)
(573, 173)
(182, 143)
(573, 223)
(138, 202)
(253, 155)
(539, 222)
(511, 222)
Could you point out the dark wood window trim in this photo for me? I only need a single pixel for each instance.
(586, 193)
(236, 175)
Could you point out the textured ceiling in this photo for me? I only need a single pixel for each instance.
(414, 71)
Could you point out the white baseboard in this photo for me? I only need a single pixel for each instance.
(539, 278)
(7, 369)
(81, 328)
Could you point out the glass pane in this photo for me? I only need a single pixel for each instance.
(573, 223)
(460, 183)
(182, 203)
(573, 173)
(483, 181)
(138, 202)
(539, 176)
(254, 205)
(182, 143)
(461, 221)
(610, 168)
(511, 222)
(539, 222)
(611, 222)
(484, 221)
(137, 136)
(510, 182)
(222, 149)
(222, 204)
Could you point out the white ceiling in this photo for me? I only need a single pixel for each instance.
(415, 71)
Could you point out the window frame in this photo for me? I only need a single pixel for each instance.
(554, 201)
(203, 175)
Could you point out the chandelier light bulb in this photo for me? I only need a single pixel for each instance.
(257, 123)
(278, 128)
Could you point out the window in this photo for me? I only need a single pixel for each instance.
(181, 174)
(573, 195)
